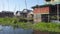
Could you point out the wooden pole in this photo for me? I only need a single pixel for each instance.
(58, 12)
(27, 13)
(25, 4)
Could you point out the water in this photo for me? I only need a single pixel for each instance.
(11, 30)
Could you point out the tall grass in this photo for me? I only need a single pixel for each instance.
(53, 27)
(7, 21)
(14, 22)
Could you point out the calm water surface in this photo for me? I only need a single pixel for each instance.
(11, 30)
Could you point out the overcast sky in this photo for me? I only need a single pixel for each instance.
(14, 5)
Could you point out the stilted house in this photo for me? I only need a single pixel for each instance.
(46, 13)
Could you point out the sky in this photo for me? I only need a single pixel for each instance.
(14, 5)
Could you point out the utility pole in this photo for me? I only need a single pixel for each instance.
(58, 12)
(27, 12)
(25, 4)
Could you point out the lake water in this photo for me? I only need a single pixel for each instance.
(11, 30)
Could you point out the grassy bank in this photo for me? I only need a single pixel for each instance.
(7, 21)
(51, 27)
(14, 22)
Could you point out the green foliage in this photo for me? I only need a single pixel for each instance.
(25, 25)
(14, 22)
(53, 27)
(7, 21)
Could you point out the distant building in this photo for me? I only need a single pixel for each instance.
(18, 13)
(6, 14)
(46, 13)
(25, 14)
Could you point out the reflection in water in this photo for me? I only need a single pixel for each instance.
(11, 30)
